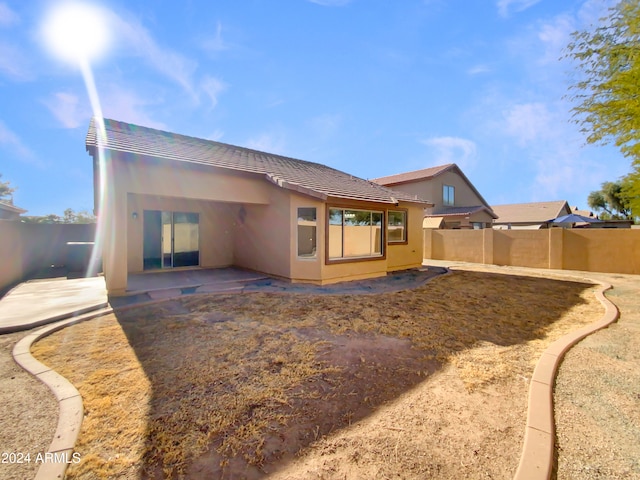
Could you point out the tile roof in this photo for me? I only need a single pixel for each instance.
(457, 211)
(304, 177)
(584, 213)
(535, 212)
(4, 205)
(424, 174)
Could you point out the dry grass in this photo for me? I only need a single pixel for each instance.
(243, 377)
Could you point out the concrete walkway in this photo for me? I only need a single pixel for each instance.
(38, 302)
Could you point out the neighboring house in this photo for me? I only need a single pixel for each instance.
(174, 201)
(457, 203)
(9, 211)
(601, 224)
(584, 213)
(531, 216)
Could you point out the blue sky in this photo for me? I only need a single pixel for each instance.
(370, 87)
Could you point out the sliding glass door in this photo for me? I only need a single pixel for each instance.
(171, 239)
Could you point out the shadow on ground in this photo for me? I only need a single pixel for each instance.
(239, 384)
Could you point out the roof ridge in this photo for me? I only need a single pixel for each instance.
(287, 172)
(214, 142)
(440, 168)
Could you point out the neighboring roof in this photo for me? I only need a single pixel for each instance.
(427, 174)
(416, 175)
(11, 208)
(301, 176)
(584, 213)
(458, 211)
(530, 213)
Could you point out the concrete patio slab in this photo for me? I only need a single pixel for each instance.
(38, 302)
(181, 279)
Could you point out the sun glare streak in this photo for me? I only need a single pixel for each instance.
(101, 132)
(78, 33)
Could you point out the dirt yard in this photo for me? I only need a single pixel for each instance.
(425, 382)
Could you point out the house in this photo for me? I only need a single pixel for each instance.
(173, 201)
(8, 211)
(457, 203)
(609, 223)
(530, 216)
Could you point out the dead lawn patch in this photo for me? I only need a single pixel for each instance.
(233, 386)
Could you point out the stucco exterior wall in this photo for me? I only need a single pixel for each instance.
(593, 250)
(306, 269)
(397, 256)
(244, 221)
(409, 255)
(431, 190)
(137, 184)
(215, 229)
(263, 235)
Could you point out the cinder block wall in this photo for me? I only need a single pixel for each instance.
(11, 267)
(26, 248)
(592, 250)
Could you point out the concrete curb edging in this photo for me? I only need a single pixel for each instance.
(71, 410)
(44, 321)
(537, 458)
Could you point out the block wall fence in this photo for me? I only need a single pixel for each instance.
(591, 250)
(29, 248)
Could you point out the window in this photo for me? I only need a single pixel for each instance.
(448, 195)
(477, 225)
(397, 226)
(307, 232)
(354, 233)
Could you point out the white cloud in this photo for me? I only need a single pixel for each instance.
(505, 6)
(325, 125)
(212, 87)
(453, 150)
(272, 142)
(331, 3)
(13, 63)
(216, 43)
(216, 135)
(592, 11)
(137, 40)
(13, 143)
(66, 107)
(528, 122)
(126, 105)
(7, 16)
(555, 36)
(479, 69)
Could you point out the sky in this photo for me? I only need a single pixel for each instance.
(369, 87)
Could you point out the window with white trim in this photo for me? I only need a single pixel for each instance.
(396, 226)
(307, 232)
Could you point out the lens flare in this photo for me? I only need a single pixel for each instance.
(76, 32)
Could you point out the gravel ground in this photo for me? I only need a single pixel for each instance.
(597, 396)
(29, 416)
